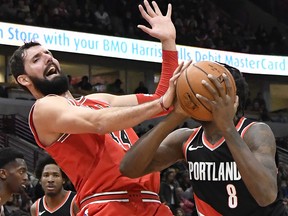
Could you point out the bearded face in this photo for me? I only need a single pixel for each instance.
(53, 81)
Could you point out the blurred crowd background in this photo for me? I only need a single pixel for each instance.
(200, 23)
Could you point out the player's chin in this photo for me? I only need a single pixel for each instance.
(50, 193)
(20, 189)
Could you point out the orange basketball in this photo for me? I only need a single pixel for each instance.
(190, 83)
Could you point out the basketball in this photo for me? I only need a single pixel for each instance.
(190, 83)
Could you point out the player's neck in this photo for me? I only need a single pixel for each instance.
(68, 95)
(212, 134)
(4, 197)
(54, 201)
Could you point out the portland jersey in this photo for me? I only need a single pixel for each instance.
(91, 161)
(65, 208)
(217, 183)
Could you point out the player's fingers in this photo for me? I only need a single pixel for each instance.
(187, 64)
(144, 13)
(179, 68)
(149, 10)
(169, 10)
(182, 67)
(177, 73)
(174, 79)
(211, 89)
(217, 83)
(144, 29)
(156, 8)
(228, 85)
(204, 99)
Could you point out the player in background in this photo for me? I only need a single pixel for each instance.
(13, 174)
(57, 200)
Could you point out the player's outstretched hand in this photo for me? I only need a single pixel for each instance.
(162, 26)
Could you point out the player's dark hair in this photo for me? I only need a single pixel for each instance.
(16, 61)
(277, 158)
(46, 160)
(8, 155)
(241, 86)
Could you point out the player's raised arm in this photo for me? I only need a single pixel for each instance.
(162, 28)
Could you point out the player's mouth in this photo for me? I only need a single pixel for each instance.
(50, 187)
(50, 70)
(22, 187)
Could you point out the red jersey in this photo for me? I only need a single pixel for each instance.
(91, 161)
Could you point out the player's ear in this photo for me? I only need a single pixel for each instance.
(3, 174)
(23, 79)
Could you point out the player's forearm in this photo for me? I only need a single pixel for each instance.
(252, 170)
(142, 158)
(169, 64)
(137, 159)
(119, 118)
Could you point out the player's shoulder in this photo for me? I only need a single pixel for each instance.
(186, 130)
(252, 125)
(50, 99)
(183, 134)
(259, 134)
(99, 96)
(258, 126)
(72, 193)
(50, 102)
(33, 207)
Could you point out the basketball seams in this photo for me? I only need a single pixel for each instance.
(200, 69)
(219, 72)
(189, 84)
(187, 80)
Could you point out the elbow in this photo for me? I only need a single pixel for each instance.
(101, 128)
(101, 132)
(105, 127)
(267, 199)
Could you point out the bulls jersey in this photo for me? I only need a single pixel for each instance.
(65, 208)
(91, 161)
(217, 183)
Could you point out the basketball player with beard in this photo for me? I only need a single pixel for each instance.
(57, 200)
(13, 174)
(88, 136)
(231, 159)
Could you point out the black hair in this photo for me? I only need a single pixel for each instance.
(8, 155)
(42, 163)
(277, 158)
(16, 61)
(241, 86)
